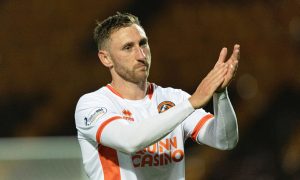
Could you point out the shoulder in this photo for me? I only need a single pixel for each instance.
(95, 98)
(98, 94)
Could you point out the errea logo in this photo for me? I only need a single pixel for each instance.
(127, 115)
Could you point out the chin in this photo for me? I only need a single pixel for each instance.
(142, 78)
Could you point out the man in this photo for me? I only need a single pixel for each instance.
(133, 129)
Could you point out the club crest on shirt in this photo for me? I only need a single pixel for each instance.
(127, 115)
(165, 105)
(98, 113)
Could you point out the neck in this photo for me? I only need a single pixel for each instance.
(129, 90)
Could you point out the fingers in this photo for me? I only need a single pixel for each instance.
(236, 52)
(235, 57)
(214, 79)
(222, 56)
(232, 66)
(209, 85)
(216, 76)
(229, 76)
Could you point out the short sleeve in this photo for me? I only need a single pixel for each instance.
(92, 114)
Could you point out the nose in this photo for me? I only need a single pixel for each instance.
(141, 53)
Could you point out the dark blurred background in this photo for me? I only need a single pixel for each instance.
(48, 60)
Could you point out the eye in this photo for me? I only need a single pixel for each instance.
(144, 42)
(127, 47)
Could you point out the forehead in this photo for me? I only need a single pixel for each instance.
(127, 34)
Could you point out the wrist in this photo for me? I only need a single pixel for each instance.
(221, 95)
(219, 91)
(192, 102)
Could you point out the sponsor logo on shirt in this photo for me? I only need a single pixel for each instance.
(165, 105)
(98, 113)
(127, 115)
(161, 153)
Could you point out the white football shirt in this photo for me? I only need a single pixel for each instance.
(162, 160)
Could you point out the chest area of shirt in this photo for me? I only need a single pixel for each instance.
(137, 111)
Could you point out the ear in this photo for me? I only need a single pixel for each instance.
(105, 59)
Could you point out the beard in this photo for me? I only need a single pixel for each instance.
(138, 73)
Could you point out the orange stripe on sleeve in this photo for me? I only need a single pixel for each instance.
(199, 125)
(110, 163)
(100, 129)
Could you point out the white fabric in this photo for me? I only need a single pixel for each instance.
(129, 128)
(144, 133)
(222, 131)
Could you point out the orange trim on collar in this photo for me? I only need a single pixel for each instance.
(150, 90)
(113, 90)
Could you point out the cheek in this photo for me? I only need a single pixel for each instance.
(122, 64)
(147, 49)
(120, 60)
(147, 52)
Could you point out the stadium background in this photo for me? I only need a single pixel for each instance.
(48, 60)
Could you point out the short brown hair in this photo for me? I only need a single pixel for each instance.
(104, 29)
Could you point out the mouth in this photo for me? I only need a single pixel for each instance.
(142, 65)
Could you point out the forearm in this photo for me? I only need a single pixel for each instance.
(138, 135)
(222, 131)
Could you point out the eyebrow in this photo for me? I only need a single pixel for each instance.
(143, 40)
(130, 44)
